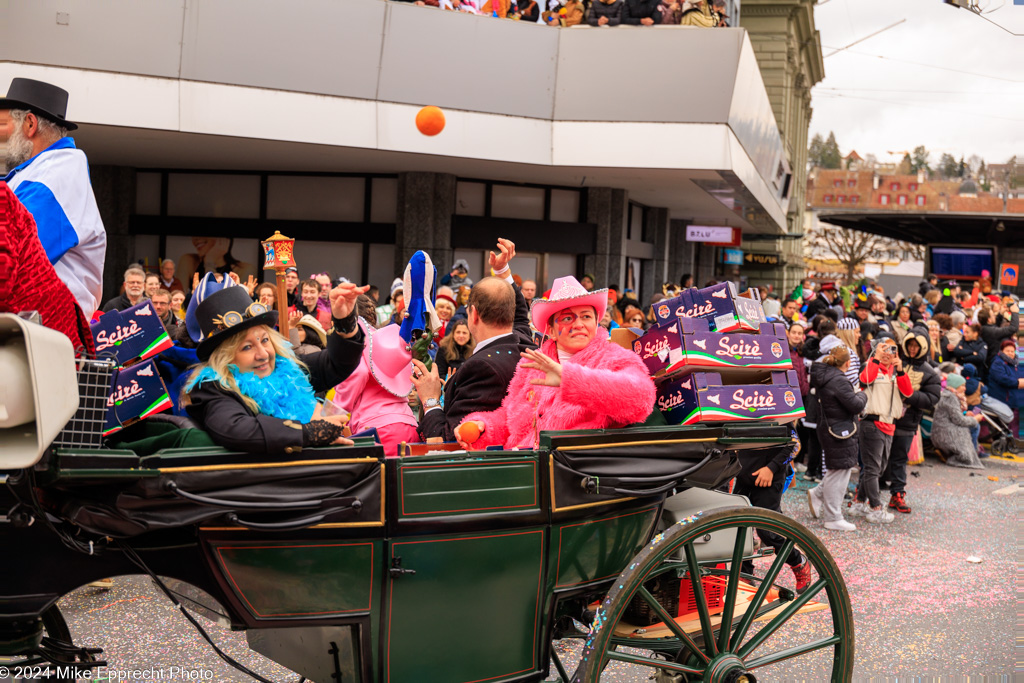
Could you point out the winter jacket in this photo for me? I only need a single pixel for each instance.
(1002, 380)
(775, 458)
(946, 305)
(635, 10)
(603, 385)
(992, 335)
(973, 384)
(612, 11)
(951, 432)
(816, 306)
(801, 370)
(322, 315)
(972, 352)
(837, 402)
(923, 378)
(529, 12)
(120, 303)
(887, 389)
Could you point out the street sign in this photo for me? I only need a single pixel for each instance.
(1008, 274)
(761, 259)
(732, 257)
(712, 234)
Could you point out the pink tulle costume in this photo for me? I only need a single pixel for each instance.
(603, 386)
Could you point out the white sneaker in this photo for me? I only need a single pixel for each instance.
(814, 502)
(800, 467)
(841, 525)
(879, 516)
(858, 510)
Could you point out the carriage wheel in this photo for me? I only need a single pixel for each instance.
(57, 639)
(714, 654)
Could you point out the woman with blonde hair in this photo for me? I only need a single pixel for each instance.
(848, 331)
(250, 392)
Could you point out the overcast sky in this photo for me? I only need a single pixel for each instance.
(947, 78)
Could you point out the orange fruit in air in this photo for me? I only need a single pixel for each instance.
(469, 432)
(430, 120)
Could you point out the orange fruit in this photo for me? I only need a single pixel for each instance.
(469, 432)
(430, 120)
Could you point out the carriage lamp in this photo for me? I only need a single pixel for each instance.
(279, 253)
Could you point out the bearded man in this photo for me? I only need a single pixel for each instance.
(51, 178)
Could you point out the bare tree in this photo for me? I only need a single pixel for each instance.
(853, 248)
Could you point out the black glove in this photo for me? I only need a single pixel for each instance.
(319, 433)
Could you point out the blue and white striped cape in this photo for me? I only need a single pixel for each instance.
(54, 186)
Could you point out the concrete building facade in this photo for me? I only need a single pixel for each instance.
(788, 50)
(203, 140)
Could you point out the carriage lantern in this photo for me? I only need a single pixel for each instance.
(279, 254)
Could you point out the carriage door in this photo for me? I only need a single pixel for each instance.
(471, 610)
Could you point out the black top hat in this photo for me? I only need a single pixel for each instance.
(225, 313)
(42, 99)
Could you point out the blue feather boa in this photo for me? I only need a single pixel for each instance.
(285, 394)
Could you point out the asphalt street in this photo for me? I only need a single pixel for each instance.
(920, 608)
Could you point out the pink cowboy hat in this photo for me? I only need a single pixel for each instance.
(389, 359)
(566, 293)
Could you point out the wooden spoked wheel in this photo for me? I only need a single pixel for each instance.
(687, 652)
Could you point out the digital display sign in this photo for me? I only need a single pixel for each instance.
(962, 262)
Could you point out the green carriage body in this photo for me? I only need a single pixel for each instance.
(453, 568)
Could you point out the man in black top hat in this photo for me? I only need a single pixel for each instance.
(51, 178)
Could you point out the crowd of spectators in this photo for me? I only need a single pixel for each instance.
(937, 369)
(566, 13)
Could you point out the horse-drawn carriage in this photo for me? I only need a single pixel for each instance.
(344, 565)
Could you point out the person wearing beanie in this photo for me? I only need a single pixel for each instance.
(887, 386)
(926, 385)
(291, 284)
(951, 428)
(458, 276)
(397, 302)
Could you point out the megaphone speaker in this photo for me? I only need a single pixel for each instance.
(39, 392)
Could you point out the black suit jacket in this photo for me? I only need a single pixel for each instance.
(482, 381)
(232, 425)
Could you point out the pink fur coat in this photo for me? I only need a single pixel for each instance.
(603, 386)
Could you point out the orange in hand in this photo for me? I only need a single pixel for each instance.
(468, 432)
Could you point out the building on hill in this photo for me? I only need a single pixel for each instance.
(911, 208)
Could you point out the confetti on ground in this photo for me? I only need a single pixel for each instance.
(117, 602)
